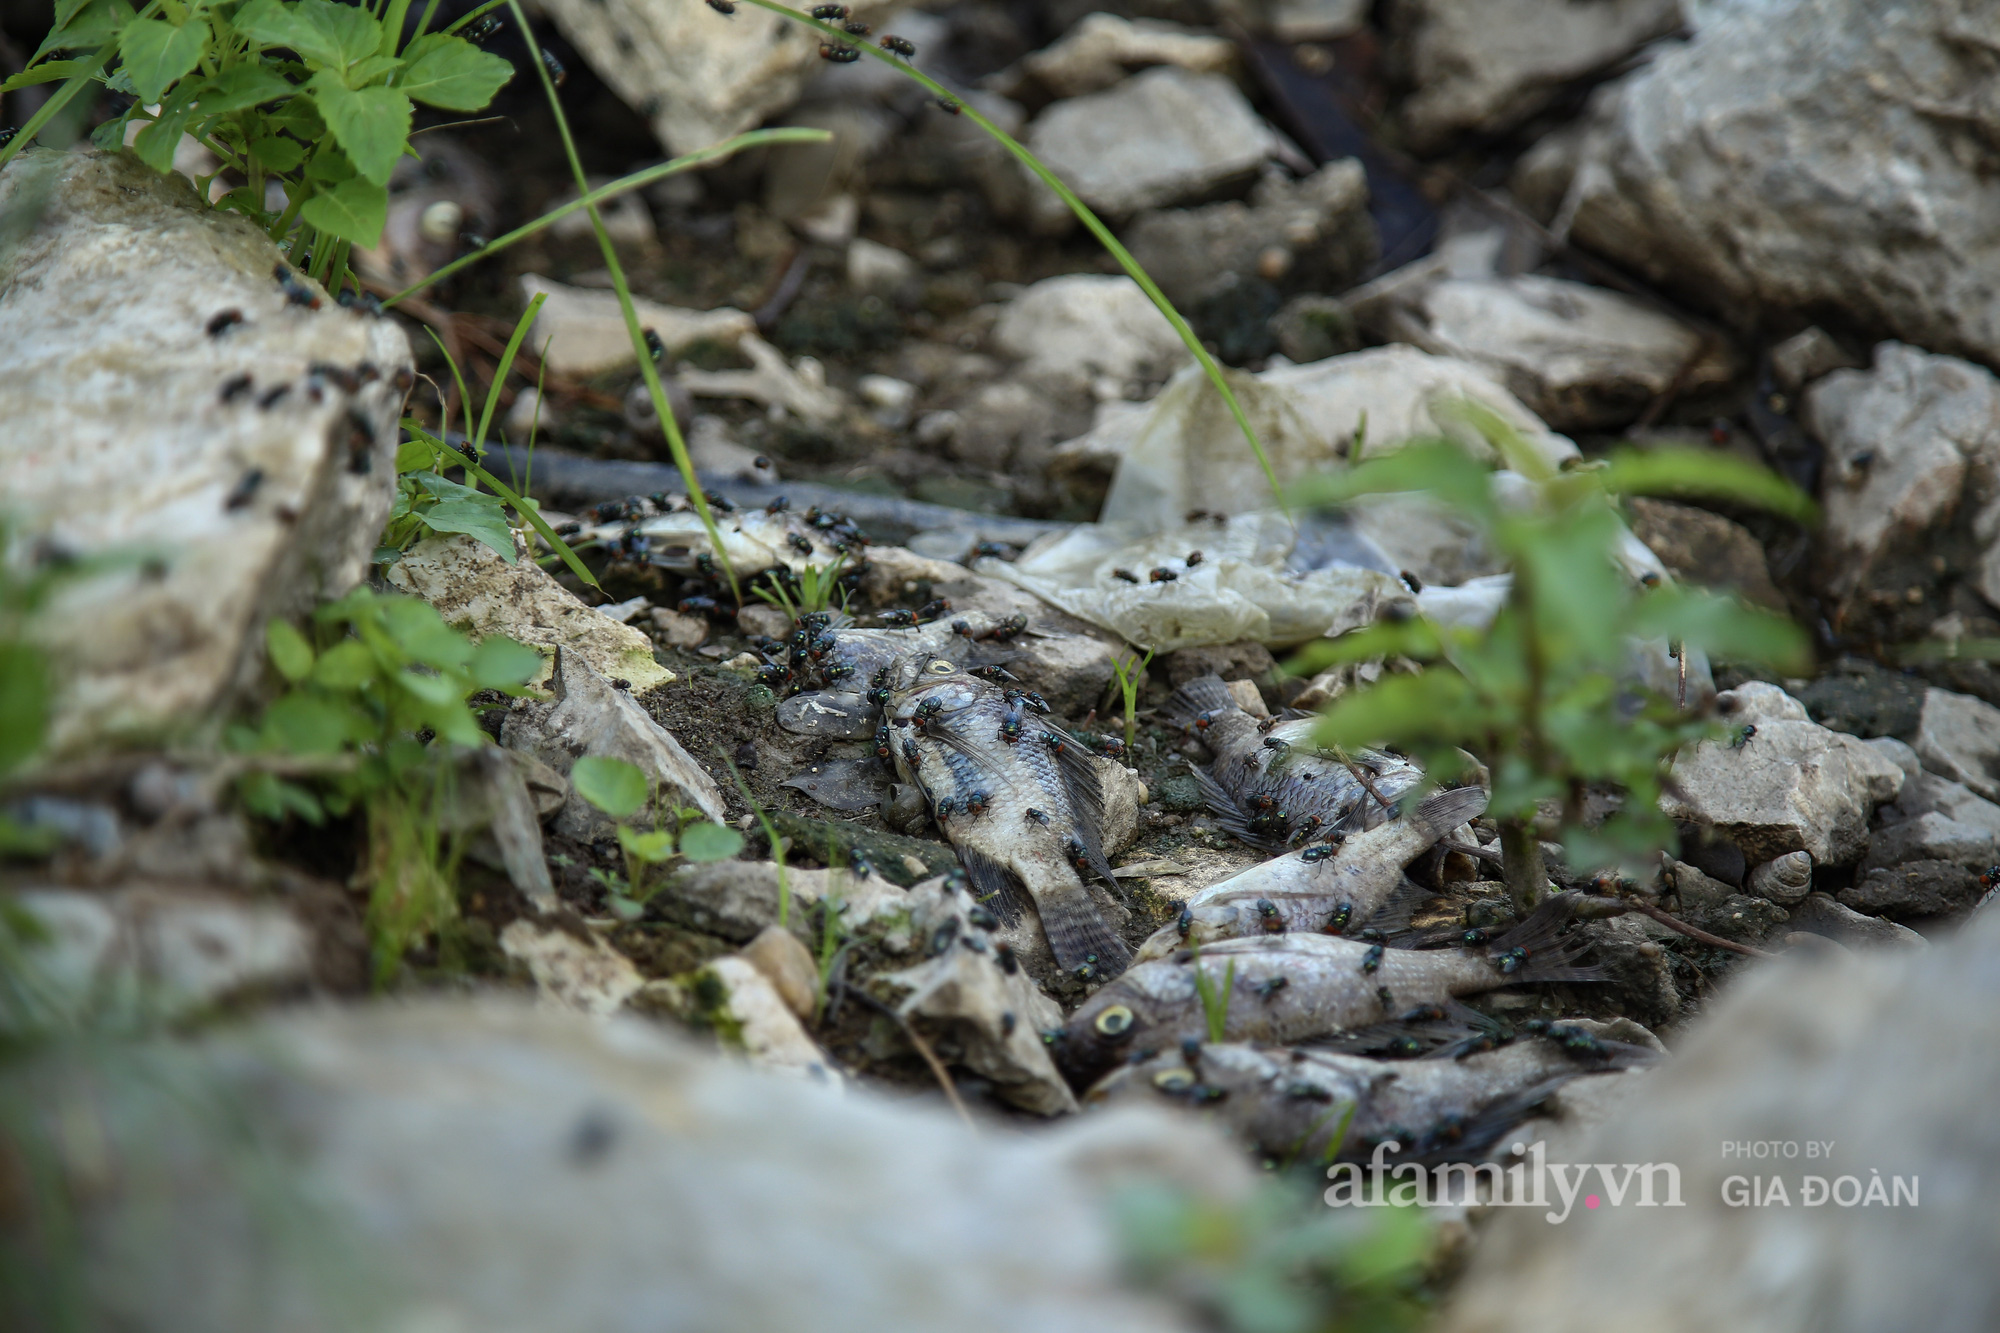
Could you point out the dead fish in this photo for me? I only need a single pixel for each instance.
(856, 657)
(1296, 987)
(980, 784)
(753, 539)
(1269, 785)
(1319, 1106)
(1314, 891)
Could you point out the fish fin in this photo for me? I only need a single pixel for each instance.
(1440, 814)
(999, 888)
(1392, 918)
(1550, 953)
(1409, 1038)
(1229, 816)
(1076, 929)
(1201, 695)
(1078, 769)
(1470, 1138)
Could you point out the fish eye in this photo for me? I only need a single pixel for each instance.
(942, 667)
(1115, 1021)
(1173, 1080)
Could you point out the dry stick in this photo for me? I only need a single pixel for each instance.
(1714, 941)
(923, 1049)
(1366, 785)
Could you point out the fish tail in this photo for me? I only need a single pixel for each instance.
(1078, 934)
(1201, 695)
(1230, 817)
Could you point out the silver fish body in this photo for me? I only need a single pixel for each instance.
(1270, 785)
(752, 539)
(1318, 1106)
(1312, 891)
(1017, 796)
(1296, 987)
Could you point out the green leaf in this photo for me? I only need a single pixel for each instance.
(452, 73)
(1438, 466)
(371, 125)
(652, 848)
(275, 154)
(1705, 473)
(368, 71)
(25, 692)
(324, 34)
(355, 210)
(240, 87)
(612, 785)
(415, 456)
(346, 666)
(306, 724)
(420, 631)
(273, 798)
(156, 143)
(483, 517)
(710, 842)
(499, 663)
(290, 652)
(87, 25)
(158, 54)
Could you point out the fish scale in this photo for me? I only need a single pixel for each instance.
(962, 753)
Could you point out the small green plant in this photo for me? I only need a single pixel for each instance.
(816, 586)
(1130, 673)
(621, 791)
(312, 95)
(1278, 1261)
(1545, 696)
(378, 707)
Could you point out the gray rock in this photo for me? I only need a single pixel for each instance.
(1580, 357)
(1486, 66)
(1913, 889)
(1075, 329)
(485, 1166)
(584, 715)
(1958, 737)
(1298, 20)
(695, 75)
(1898, 753)
(162, 952)
(1792, 786)
(1822, 914)
(1808, 355)
(1159, 138)
(1871, 200)
(573, 969)
(226, 477)
(1903, 439)
(1703, 548)
(1784, 879)
(1878, 1056)
(1939, 820)
(478, 592)
(1313, 328)
(1101, 49)
(1312, 234)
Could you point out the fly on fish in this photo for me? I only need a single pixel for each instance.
(1270, 786)
(982, 783)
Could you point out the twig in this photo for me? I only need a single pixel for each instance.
(1366, 783)
(1470, 849)
(1714, 941)
(784, 291)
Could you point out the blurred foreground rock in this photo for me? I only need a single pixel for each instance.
(1816, 155)
(451, 1165)
(1881, 1058)
(227, 453)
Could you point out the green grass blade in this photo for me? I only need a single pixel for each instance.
(63, 95)
(622, 185)
(500, 374)
(661, 407)
(444, 418)
(1084, 215)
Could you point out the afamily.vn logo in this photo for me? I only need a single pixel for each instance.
(1523, 1184)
